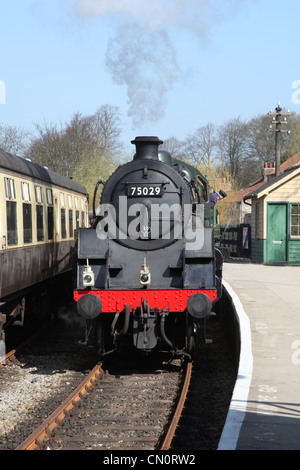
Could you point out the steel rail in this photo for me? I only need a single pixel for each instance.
(35, 440)
(178, 412)
(8, 357)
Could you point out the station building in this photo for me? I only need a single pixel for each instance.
(275, 215)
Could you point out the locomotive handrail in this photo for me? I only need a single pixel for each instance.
(95, 193)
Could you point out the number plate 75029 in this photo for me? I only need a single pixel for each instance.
(150, 190)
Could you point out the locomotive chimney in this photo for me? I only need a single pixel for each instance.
(146, 148)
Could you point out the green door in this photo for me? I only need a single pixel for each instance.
(277, 233)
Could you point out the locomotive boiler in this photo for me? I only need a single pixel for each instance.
(148, 272)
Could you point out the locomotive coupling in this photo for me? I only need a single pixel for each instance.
(145, 275)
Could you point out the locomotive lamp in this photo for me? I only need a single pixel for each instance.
(145, 275)
(88, 276)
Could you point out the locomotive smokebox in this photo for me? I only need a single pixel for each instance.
(146, 148)
(199, 306)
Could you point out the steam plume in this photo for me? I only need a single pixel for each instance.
(141, 55)
(146, 64)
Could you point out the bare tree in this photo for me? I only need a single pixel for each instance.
(106, 127)
(232, 143)
(14, 139)
(79, 142)
(205, 138)
(290, 143)
(80, 137)
(201, 146)
(174, 146)
(50, 149)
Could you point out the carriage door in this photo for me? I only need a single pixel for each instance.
(277, 233)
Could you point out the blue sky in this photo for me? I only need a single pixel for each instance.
(171, 66)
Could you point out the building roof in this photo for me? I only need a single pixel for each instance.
(264, 189)
(294, 160)
(263, 184)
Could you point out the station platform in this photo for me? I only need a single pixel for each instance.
(265, 407)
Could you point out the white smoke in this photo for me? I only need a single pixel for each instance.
(151, 15)
(146, 64)
(141, 55)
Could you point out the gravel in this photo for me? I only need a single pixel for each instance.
(44, 375)
(38, 380)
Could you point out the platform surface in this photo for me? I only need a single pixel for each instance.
(266, 416)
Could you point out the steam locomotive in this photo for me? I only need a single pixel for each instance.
(148, 273)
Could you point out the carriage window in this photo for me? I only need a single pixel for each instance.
(39, 213)
(39, 223)
(27, 223)
(25, 192)
(63, 223)
(11, 212)
(77, 219)
(71, 234)
(50, 218)
(50, 213)
(10, 192)
(38, 194)
(62, 199)
(11, 217)
(83, 209)
(49, 197)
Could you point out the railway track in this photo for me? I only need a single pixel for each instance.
(130, 401)
(122, 412)
(36, 439)
(37, 377)
(10, 356)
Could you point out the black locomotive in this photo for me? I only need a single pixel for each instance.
(148, 270)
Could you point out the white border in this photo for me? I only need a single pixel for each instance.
(237, 409)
